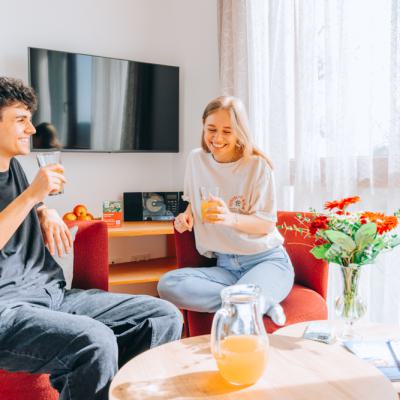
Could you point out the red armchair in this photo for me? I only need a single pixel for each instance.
(90, 271)
(306, 301)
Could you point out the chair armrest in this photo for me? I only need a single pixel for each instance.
(309, 271)
(90, 255)
(186, 252)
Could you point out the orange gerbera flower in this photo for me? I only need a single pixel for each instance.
(341, 204)
(384, 223)
(330, 205)
(349, 200)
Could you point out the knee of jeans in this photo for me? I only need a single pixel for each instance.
(101, 341)
(169, 286)
(173, 312)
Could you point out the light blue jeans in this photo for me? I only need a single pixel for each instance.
(198, 289)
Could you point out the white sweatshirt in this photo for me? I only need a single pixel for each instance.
(247, 187)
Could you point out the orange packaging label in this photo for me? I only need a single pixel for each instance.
(112, 219)
(112, 214)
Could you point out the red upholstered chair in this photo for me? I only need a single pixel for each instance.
(90, 271)
(306, 301)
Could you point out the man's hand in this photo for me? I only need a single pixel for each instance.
(184, 221)
(48, 179)
(55, 233)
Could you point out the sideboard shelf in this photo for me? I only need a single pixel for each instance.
(143, 271)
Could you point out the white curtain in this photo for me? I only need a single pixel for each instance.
(321, 80)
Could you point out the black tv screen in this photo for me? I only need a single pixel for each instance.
(91, 103)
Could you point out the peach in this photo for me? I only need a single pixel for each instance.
(80, 210)
(69, 216)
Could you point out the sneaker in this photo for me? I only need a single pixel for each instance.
(277, 314)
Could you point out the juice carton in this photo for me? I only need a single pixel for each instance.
(112, 214)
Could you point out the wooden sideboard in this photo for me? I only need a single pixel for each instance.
(143, 271)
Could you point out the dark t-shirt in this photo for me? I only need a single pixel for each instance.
(26, 265)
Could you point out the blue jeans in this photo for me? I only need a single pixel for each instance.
(198, 289)
(80, 337)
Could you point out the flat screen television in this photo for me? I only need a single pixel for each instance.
(92, 103)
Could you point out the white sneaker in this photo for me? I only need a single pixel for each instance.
(277, 314)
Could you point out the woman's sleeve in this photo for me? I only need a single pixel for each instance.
(263, 199)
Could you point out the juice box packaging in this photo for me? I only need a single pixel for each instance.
(112, 214)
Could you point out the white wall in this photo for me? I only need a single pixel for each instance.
(176, 32)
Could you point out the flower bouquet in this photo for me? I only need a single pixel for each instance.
(349, 239)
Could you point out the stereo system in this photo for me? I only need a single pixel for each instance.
(153, 206)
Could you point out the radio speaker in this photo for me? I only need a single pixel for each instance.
(133, 206)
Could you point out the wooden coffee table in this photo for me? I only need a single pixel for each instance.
(297, 369)
(367, 331)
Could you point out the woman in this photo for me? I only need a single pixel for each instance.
(238, 227)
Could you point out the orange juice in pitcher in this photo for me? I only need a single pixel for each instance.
(242, 359)
(239, 342)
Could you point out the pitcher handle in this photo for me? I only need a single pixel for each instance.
(216, 330)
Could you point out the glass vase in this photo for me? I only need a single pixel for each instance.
(349, 306)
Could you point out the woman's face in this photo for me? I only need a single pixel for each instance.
(220, 137)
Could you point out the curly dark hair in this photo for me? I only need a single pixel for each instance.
(15, 91)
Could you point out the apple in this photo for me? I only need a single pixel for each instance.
(69, 216)
(80, 210)
(90, 216)
(84, 218)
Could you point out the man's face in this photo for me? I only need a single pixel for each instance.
(15, 131)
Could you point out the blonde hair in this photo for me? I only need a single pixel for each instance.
(240, 125)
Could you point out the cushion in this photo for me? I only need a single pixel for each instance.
(66, 262)
(24, 386)
(302, 304)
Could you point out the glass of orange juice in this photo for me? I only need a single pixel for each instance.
(50, 158)
(206, 194)
(239, 342)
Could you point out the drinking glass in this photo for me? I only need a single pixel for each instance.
(51, 158)
(207, 202)
(239, 342)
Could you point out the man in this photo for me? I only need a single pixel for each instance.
(79, 337)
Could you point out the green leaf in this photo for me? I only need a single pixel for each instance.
(334, 254)
(341, 239)
(394, 241)
(365, 235)
(319, 251)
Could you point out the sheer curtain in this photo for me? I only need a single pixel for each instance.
(321, 80)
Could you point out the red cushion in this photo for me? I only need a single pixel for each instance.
(24, 386)
(302, 304)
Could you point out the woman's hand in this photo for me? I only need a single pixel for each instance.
(219, 213)
(55, 233)
(184, 221)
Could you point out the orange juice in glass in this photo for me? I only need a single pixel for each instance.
(51, 158)
(206, 202)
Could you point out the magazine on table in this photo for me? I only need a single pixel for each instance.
(383, 354)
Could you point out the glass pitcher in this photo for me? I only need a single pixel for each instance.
(239, 342)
